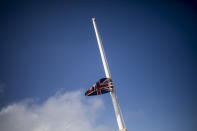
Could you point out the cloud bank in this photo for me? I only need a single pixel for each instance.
(62, 112)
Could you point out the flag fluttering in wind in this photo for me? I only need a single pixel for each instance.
(103, 86)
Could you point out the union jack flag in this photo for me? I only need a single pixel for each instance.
(103, 86)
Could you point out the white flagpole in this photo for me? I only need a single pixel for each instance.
(117, 109)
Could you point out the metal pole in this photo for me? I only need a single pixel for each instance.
(117, 109)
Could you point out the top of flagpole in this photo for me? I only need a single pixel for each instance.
(93, 19)
(102, 52)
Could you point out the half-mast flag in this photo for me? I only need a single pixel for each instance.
(103, 86)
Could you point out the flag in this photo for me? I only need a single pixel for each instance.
(103, 86)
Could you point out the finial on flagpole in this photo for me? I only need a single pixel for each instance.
(93, 19)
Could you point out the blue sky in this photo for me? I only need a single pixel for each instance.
(50, 47)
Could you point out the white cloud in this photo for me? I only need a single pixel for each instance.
(62, 112)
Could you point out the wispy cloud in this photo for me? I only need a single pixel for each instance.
(62, 112)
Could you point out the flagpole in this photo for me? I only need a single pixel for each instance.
(116, 105)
